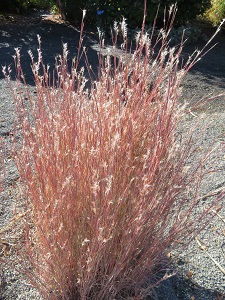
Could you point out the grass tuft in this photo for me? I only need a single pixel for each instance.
(105, 172)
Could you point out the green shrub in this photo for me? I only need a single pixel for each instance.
(216, 12)
(42, 3)
(133, 10)
(19, 6)
(14, 6)
(189, 9)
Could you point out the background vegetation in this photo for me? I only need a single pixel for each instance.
(105, 12)
(133, 10)
(216, 12)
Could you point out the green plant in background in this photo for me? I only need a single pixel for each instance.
(216, 12)
(20, 6)
(132, 10)
(14, 6)
(42, 3)
(45, 4)
(114, 10)
(54, 9)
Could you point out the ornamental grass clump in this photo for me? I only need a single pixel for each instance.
(105, 172)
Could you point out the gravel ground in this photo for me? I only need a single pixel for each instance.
(201, 268)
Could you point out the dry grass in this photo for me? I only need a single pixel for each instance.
(104, 171)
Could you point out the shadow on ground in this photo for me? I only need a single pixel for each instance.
(22, 34)
(211, 68)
